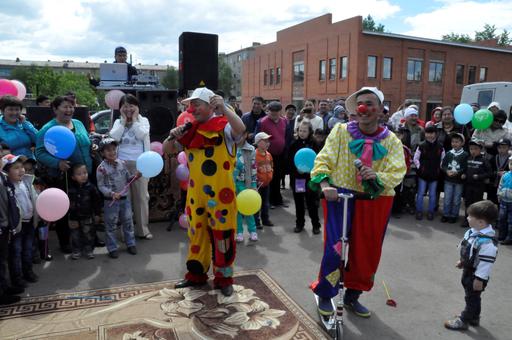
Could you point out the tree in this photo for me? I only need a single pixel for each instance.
(370, 25)
(225, 76)
(170, 79)
(455, 37)
(488, 33)
(504, 39)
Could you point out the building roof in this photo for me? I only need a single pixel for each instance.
(441, 42)
(71, 64)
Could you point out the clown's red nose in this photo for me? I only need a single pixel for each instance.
(362, 108)
(191, 109)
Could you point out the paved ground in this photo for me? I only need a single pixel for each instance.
(417, 265)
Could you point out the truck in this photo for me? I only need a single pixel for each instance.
(486, 93)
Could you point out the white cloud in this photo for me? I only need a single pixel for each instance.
(461, 17)
(90, 29)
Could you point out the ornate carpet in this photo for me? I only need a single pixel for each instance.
(259, 309)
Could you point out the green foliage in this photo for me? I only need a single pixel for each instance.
(455, 37)
(45, 80)
(488, 33)
(170, 79)
(504, 39)
(225, 76)
(370, 25)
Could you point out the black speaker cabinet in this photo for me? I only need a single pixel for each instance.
(161, 109)
(39, 116)
(198, 61)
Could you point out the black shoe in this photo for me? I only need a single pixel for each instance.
(113, 254)
(316, 231)
(186, 283)
(506, 242)
(66, 249)
(452, 220)
(99, 243)
(132, 250)
(419, 215)
(30, 276)
(268, 224)
(298, 229)
(13, 290)
(444, 219)
(259, 226)
(272, 206)
(227, 291)
(9, 299)
(36, 260)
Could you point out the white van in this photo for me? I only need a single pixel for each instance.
(486, 93)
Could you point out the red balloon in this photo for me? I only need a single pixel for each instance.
(184, 185)
(362, 108)
(184, 118)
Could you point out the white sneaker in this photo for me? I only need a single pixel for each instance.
(149, 236)
(253, 237)
(239, 238)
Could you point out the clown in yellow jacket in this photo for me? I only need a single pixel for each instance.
(211, 201)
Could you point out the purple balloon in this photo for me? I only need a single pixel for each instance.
(183, 221)
(182, 172)
(182, 158)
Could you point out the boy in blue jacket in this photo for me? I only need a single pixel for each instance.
(505, 199)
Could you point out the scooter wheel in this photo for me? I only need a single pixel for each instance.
(339, 331)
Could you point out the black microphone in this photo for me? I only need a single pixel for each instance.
(185, 127)
(371, 182)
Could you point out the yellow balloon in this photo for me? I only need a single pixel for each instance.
(248, 202)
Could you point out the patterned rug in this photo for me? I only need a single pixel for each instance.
(259, 309)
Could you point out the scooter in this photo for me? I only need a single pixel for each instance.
(334, 323)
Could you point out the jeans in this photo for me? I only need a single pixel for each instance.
(20, 251)
(472, 297)
(505, 221)
(423, 185)
(264, 193)
(83, 237)
(4, 255)
(251, 224)
(120, 211)
(312, 201)
(452, 199)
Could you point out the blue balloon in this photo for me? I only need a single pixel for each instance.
(463, 113)
(60, 141)
(304, 160)
(150, 164)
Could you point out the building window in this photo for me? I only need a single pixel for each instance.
(298, 72)
(459, 74)
(435, 72)
(265, 75)
(332, 69)
(483, 74)
(343, 67)
(472, 75)
(372, 66)
(271, 78)
(387, 68)
(414, 69)
(278, 75)
(322, 70)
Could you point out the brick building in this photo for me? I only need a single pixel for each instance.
(318, 59)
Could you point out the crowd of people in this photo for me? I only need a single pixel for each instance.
(103, 184)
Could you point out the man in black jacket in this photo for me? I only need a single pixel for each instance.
(251, 118)
(121, 57)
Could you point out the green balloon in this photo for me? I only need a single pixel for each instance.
(482, 119)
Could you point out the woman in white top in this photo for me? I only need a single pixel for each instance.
(308, 114)
(132, 133)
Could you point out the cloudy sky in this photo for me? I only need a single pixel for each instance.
(90, 29)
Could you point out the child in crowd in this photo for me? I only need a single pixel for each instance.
(476, 176)
(454, 166)
(112, 177)
(478, 250)
(9, 217)
(84, 211)
(265, 171)
(319, 138)
(505, 214)
(427, 158)
(299, 181)
(245, 178)
(499, 166)
(20, 186)
(405, 193)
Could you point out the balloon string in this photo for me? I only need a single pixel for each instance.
(125, 189)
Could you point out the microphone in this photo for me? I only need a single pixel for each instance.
(371, 182)
(184, 128)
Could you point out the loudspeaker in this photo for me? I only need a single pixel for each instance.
(39, 116)
(198, 61)
(161, 109)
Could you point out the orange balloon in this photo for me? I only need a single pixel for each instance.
(184, 118)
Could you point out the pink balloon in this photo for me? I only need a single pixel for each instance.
(157, 147)
(182, 172)
(182, 158)
(183, 221)
(112, 99)
(52, 204)
(22, 90)
(7, 88)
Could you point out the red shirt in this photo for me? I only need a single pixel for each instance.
(265, 168)
(277, 131)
